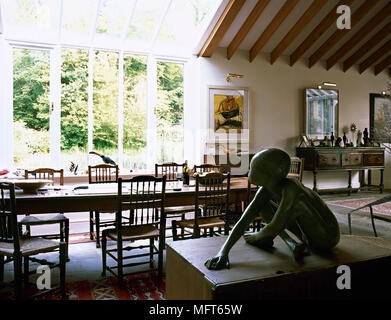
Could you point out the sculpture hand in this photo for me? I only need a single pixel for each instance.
(220, 261)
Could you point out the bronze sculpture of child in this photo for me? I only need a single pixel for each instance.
(300, 210)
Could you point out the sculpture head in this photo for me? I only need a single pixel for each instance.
(268, 167)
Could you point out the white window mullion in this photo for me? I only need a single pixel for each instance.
(151, 111)
(90, 99)
(120, 108)
(55, 106)
(6, 105)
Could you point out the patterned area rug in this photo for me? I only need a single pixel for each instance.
(141, 286)
(383, 209)
(80, 238)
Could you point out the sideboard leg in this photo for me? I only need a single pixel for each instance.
(361, 175)
(349, 182)
(315, 188)
(369, 177)
(381, 180)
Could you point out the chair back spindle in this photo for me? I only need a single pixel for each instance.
(170, 170)
(296, 168)
(103, 173)
(46, 174)
(146, 196)
(213, 194)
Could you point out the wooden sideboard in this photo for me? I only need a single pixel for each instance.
(323, 159)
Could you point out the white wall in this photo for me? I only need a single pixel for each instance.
(277, 104)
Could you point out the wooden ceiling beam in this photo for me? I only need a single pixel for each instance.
(383, 65)
(278, 19)
(378, 18)
(246, 27)
(386, 48)
(327, 21)
(307, 16)
(368, 46)
(227, 17)
(357, 16)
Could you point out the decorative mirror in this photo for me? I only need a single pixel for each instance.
(321, 113)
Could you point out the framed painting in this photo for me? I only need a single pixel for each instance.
(380, 117)
(228, 114)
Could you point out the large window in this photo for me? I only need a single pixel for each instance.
(93, 75)
(31, 107)
(74, 108)
(135, 112)
(169, 112)
(119, 102)
(105, 133)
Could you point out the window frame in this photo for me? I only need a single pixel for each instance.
(55, 97)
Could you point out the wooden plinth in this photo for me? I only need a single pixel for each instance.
(258, 274)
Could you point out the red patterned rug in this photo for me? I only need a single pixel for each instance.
(383, 209)
(80, 238)
(140, 286)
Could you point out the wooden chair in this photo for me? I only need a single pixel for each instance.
(296, 169)
(45, 173)
(211, 206)
(171, 170)
(28, 221)
(206, 167)
(20, 250)
(146, 201)
(101, 173)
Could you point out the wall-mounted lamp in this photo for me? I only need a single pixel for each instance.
(233, 75)
(327, 84)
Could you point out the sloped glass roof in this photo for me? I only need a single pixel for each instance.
(170, 27)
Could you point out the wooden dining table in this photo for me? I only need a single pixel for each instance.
(67, 199)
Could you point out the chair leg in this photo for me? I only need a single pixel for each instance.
(196, 233)
(174, 231)
(226, 229)
(373, 221)
(151, 241)
(26, 271)
(91, 225)
(63, 258)
(1, 268)
(66, 234)
(350, 223)
(120, 264)
(97, 228)
(104, 246)
(18, 276)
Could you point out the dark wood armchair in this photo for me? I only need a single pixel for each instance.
(211, 207)
(206, 167)
(46, 173)
(101, 173)
(148, 222)
(19, 249)
(169, 169)
(29, 221)
(296, 169)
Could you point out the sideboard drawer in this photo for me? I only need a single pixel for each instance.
(351, 159)
(373, 159)
(328, 160)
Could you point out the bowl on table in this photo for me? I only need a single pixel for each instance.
(31, 185)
